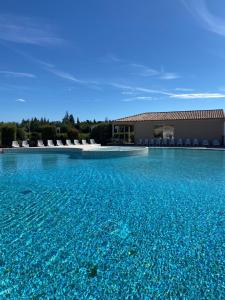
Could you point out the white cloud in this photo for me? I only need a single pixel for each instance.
(20, 100)
(183, 89)
(135, 89)
(138, 98)
(49, 67)
(206, 19)
(111, 58)
(198, 96)
(140, 69)
(138, 89)
(17, 74)
(25, 30)
(169, 76)
(127, 93)
(144, 70)
(64, 75)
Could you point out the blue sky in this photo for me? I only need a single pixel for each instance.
(102, 58)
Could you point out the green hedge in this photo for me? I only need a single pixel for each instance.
(8, 134)
(48, 132)
(102, 133)
(72, 133)
(20, 134)
(33, 138)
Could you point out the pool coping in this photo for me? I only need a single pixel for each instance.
(91, 148)
(67, 149)
(187, 148)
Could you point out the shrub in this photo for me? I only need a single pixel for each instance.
(48, 132)
(20, 134)
(84, 136)
(33, 137)
(8, 134)
(62, 136)
(85, 128)
(102, 133)
(72, 133)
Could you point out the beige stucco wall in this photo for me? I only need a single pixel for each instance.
(200, 129)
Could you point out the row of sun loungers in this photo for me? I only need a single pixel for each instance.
(50, 143)
(179, 142)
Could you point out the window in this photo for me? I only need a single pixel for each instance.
(163, 131)
(124, 133)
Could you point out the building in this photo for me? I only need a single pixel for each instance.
(200, 124)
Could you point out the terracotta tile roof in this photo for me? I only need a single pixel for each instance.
(175, 115)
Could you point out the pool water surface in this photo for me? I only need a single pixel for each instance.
(137, 227)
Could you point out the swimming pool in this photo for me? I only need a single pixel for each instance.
(136, 227)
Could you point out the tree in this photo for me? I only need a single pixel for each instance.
(72, 133)
(102, 133)
(34, 137)
(66, 118)
(8, 134)
(77, 124)
(20, 134)
(48, 132)
(71, 120)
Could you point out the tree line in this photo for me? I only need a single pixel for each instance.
(42, 129)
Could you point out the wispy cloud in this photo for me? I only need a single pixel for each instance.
(138, 98)
(210, 22)
(111, 57)
(142, 90)
(198, 96)
(144, 70)
(17, 74)
(20, 100)
(64, 75)
(25, 30)
(180, 89)
(127, 93)
(169, 76)
(138, 89)
(140, 69)
(51, 68)
(70, 77)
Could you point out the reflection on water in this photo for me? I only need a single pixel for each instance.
(8, 164)
(141, 227)
(49, 161)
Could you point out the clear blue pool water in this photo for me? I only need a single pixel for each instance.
(136, 227)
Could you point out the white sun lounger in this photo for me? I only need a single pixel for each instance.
(40, 143)
(215, 143)
(69, 143)
(187, 142)
(25, 144)
(205, 143)
(195, 142)
(59, 143)
(15, 144)
(93, 143)
(50, 143)
(84, 142)
(76, 142)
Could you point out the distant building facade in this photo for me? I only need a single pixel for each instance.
(196, 124)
